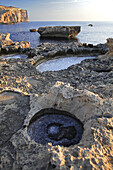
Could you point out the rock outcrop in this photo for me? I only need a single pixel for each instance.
(7, 46)
(84, 90)
(33, 30)
(47, 51)
(12, 15)
(59, 31)
(109, 54)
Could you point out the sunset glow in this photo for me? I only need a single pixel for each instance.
(65, 10)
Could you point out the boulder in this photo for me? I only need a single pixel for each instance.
(5, 40)
(8, 46)
(110, 44)
(59, 31)
(90, 25)
(33, 30)
(109, 54)
(12, 15)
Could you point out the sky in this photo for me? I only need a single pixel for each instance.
(65, 10)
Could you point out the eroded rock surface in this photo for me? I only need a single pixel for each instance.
(46, 51)
(94, 150)
(12, 15)
(13, 109)
(88, 97)
(59, 31)
(109, 54)
(55, 126)
(7, 46)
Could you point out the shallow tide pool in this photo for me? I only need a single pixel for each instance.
(60, 63)
(15, 56)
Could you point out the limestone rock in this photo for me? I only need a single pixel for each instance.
(88, 97)
(8, 46)
(45, 51)
(33, 30)
(59, 31)
(90, 25)
(13, 109)
(95, 150)
(109, 54)
(5, 40)
(12, 15)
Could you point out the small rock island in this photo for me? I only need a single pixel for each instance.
(12, 15)
(59, 31)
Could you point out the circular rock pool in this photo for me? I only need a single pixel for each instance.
(56, 127)
(60, 63)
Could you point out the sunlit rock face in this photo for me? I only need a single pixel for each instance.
(110, 44)
(59, 31)
(55, 126)
(12, 15)
(109, 54)
(5, 40)
(7, 46)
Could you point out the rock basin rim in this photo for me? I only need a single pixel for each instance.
(51, 111)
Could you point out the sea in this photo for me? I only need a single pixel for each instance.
(90, 35)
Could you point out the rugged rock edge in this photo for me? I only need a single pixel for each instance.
(12, 15)
(89, 96)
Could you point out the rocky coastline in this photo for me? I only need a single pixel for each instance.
(7, 46)
(84, 90)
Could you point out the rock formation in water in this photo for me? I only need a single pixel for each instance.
(7, 46)
(59, 31)
(33, 30)
(12, 15)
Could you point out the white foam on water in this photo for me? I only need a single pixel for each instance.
(60, 63)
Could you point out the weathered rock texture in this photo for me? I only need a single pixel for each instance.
(95, 149)
(46, 51)
(11, 15)
(13, 107)
(59, 31)
(85, 90)
(109, 54)
(5, 40)
(8, 46)
(33, 30)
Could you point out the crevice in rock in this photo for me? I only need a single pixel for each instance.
(103, 70)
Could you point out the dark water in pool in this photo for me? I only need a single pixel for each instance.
(96, 34)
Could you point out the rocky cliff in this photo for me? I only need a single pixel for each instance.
(10, 15)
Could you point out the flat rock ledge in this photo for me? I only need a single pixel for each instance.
(85, 90)
(7, 46)
(45, 51)
(59, 31)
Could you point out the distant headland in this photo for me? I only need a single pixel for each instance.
(12, 15)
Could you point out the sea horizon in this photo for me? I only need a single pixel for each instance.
(97, 34)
